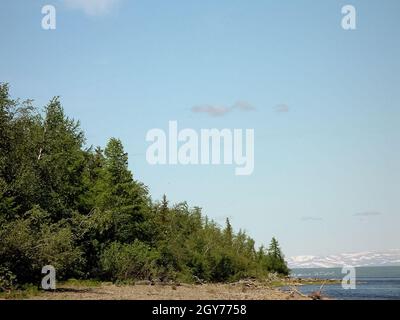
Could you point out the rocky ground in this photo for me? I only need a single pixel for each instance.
(247, 289)
(243, 290)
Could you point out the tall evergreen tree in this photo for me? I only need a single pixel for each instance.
(61, 162)
(276, 259)
(228, 232)
(117, 193)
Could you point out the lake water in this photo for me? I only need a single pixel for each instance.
(376, 283)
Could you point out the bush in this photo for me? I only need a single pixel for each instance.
(129, 261)
(7, 279)
(27, 245)
(56, 247)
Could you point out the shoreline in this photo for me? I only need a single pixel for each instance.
(247, 289)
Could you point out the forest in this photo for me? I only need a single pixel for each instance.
(80, 209)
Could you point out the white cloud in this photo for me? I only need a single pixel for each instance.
(92, 7)
(282, 108)
(368, 214)
(311, 218)
(243, 106)
(219, 111)
(214, 111)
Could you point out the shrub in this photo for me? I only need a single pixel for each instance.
(7, 279)
(27, 245)
(129, 261)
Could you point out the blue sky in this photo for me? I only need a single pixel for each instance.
(326, 176)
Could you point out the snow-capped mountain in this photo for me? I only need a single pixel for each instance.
(360, 259)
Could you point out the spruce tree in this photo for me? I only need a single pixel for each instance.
(276, 259)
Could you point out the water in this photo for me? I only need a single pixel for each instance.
(372, 283)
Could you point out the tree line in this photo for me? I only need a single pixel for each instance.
(80, 210)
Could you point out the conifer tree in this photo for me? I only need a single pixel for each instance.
(119, 194)
(276, 259)
(228, 232)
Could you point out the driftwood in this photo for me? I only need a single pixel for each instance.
(316, 295)
(294, 289)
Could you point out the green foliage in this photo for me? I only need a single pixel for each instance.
(29, 243)
(7, 279)
(129, 261)
(82, 211)
(275, 259)
(24, 291)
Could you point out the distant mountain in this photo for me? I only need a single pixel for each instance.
(360, 259)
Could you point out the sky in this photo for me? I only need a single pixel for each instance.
(323, 103)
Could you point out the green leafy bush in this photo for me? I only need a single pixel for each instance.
(129, 261)
(29, 244)
(7, 279)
